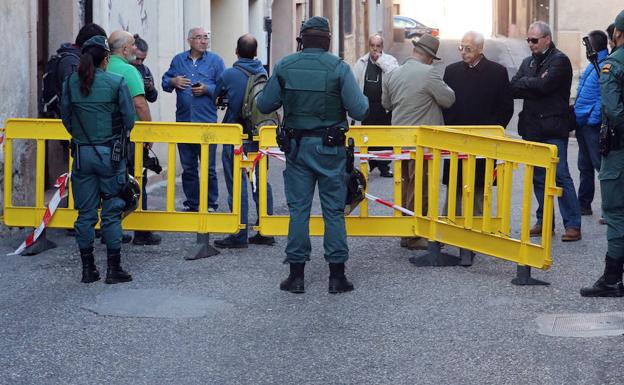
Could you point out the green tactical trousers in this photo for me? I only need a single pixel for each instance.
(611, 185)
(313, 162)
(95, 184)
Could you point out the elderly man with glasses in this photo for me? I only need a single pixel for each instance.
(193, 75)
(482, 97)
(544, 81)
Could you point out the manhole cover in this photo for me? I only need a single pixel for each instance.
(155, 303)
(581, 325)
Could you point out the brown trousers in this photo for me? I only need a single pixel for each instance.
(408, 174)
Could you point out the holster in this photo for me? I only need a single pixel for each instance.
(608, 140)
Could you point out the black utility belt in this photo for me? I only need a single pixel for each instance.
(332, 136)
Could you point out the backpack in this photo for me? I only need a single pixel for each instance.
(51, 86)
(252, 118)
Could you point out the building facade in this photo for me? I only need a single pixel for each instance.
(41, 26)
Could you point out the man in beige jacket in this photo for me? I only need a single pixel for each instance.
(416, 95)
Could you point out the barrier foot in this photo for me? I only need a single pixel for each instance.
(435, 257)
(41, 244)
(466, 257)
(203, 250)
(523, 278)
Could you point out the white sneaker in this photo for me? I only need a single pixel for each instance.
(211, 209)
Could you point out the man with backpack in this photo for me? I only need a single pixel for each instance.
(239, 85)
(60, 65)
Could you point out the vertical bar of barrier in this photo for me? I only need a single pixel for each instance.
(203, 178)
(500, 177)
(138, 171)
(70, 194)
(236, 187)
(469, 191)
(547, 215)
(418, 181)
(8, 171)
(526, 204)
(506, 206)
(171, 174)
(397, 182)
(364, 203)
(40, 174)
(262, 185)
(452, 188)
(433, 185)
(487, 195)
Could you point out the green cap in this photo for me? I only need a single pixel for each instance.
(317, 22)
(619, 21)
(97, 41)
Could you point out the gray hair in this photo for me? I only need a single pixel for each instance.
(192, 30)
(542, 27)
(376, 35)
(119, 42)
(478, 38)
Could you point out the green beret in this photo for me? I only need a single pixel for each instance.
(96, 41)
(317, 22)
(619, 21)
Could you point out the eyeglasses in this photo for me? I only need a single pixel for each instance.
(202, 38)
(466, 48)
(534, 40)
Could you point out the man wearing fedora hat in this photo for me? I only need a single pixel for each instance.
(416, 95)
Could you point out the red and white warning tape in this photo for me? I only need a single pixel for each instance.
(61, 192)
(389, 204)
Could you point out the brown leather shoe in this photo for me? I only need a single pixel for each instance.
(536, 231)
(571, 235)
(417, 243)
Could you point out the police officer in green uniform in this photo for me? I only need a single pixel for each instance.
(612, 167)
(316, 89)
(96, 108)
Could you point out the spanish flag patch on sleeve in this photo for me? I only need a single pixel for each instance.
(606, 68)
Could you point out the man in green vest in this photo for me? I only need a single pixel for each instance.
(316, 89)
(612, 167)
(123, 53)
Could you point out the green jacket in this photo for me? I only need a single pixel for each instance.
(102, 113)
(612, 90)
(316, 89)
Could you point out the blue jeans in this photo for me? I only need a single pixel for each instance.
(227, 157)
(189, 157)
(568, 203)
(588, 161)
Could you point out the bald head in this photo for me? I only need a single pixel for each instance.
(122, 44)
(247, 46)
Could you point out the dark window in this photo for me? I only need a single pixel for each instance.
(347, 16)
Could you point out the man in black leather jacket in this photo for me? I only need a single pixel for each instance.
(544, 81)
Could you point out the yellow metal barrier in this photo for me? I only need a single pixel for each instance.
(201, 222)
(488, 234)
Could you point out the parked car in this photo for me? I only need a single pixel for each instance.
(413, 28)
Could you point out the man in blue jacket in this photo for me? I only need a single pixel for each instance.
(232, 85)
(588, 119)
(193, 75)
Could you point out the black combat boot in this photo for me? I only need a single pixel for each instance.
(115, 273)
(295, 281)
(610, 284)
(90, 272)
(338, 282)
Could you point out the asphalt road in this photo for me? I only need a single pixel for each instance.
(223, 320)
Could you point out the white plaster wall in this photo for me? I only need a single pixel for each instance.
(229, 20)
(18, 89)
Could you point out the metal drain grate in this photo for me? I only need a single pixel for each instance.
(581, 325)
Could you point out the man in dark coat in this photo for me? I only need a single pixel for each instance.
(543, 81)
(482, 97)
